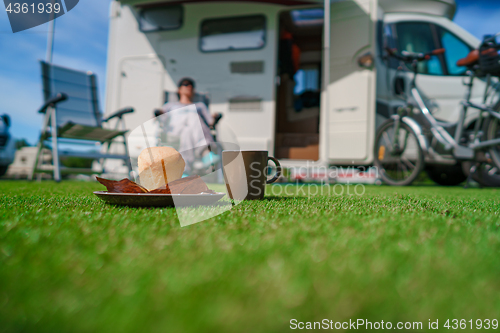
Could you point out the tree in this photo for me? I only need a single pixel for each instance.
(20, 143)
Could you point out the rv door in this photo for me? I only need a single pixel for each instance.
(351, 92)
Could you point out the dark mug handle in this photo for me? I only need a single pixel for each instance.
(278, 170)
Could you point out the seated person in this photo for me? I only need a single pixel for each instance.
(185, 125)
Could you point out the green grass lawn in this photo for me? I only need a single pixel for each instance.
(70, 263)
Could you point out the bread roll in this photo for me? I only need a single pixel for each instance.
(159, 166)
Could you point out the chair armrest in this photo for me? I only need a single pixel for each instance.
(217, 117)
(119, 114)
(158, 112)
(53, 101)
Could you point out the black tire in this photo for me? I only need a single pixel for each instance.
(487, 175)
(446, 175)
(391, 166)
(3, 170)
(492, 131)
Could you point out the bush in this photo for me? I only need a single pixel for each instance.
(77, 162)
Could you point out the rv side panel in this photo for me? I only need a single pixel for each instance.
(144, 67)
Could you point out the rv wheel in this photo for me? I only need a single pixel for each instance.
(446, 175)
(3, 170)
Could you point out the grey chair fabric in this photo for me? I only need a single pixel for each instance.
(82, 106)
(77, 117)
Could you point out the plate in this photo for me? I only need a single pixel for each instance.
(159, 200)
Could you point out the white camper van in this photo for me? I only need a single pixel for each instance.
(307, 80)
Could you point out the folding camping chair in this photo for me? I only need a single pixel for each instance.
(72, 115)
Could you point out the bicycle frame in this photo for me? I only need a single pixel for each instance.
(484, 144)
(440, 133)
(439, 142)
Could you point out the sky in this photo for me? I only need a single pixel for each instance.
(81, 43)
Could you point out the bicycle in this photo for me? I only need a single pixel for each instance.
(485, 62)
(412, 138)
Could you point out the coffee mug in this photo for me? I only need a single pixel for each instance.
(245, 173)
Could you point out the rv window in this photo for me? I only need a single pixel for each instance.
(161, 18)
(308, 17)
(455, 49)
(418, 37)
(236, 33)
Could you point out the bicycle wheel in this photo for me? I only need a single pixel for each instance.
(487, 174)
(492, 133)
(398, 164)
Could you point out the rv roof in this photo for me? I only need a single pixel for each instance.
(150, 3)
(433, 7)
(445, 8)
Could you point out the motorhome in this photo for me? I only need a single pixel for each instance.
(307, 80)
